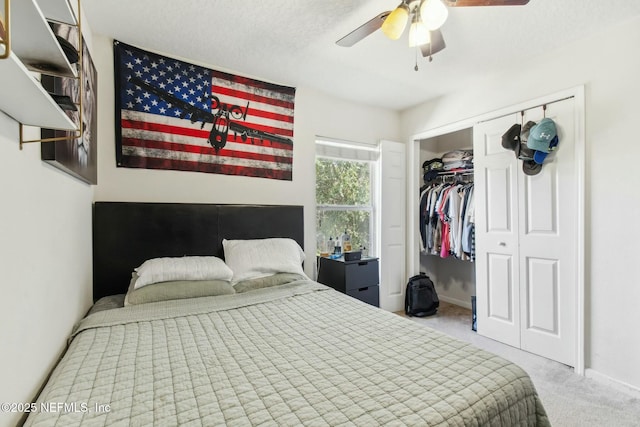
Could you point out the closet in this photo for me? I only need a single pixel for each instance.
(527, 274)
(454, 277)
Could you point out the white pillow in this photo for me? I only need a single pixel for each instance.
(184, 268)
(251, 259)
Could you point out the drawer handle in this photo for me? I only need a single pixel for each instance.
(362, 289)
(363, 263)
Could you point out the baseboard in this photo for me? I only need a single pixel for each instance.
(454, 301)
(613, 383)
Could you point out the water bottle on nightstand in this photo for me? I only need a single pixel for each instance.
(346, 242)
(331, 246)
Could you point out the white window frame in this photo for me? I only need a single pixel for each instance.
(354, 152)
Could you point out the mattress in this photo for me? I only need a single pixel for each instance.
(296, 354)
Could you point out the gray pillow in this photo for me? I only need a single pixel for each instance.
(268, 281)
(178, 289)
(107, 303)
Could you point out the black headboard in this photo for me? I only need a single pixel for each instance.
(126, 234)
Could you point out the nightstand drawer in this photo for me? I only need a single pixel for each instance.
(368, 294)
(360, 274)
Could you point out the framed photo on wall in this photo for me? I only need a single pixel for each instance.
(76, 156)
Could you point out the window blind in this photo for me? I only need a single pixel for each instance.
(347, 150)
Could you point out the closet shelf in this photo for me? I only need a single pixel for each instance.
(465, 174)
(456, 172)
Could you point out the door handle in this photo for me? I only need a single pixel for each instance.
(502, 244)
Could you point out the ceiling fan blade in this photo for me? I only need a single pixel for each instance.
(436, 45)
(464, 3)
(363, 30)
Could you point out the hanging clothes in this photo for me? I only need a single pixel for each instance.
(447, 221)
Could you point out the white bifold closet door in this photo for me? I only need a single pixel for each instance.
(526, 239)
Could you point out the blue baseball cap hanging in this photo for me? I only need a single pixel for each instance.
(543, 138)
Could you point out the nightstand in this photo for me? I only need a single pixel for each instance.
(358, 279)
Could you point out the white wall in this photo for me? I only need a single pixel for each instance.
(45, 263)
(606, 65)
(316, 114)
(45, 253)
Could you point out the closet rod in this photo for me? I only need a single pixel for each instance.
(529, 108)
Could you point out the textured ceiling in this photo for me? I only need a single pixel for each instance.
(292, 42)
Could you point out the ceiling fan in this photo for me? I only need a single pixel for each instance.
(426, 18)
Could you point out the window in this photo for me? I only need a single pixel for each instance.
(345, 194)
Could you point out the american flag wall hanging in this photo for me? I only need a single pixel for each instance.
(174, 115)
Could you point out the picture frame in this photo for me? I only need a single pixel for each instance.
(75, 156)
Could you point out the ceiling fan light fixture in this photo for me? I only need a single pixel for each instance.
(418, 32)
(434, 13)
(394, 25)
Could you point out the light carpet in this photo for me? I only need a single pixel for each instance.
(570, 400)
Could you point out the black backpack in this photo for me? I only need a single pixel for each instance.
(421, 298)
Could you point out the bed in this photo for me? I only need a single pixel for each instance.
(279, 350)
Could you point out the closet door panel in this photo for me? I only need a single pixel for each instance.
(548, 245)
(541, 193)
(497, 265)
(542, 295)
(499, 200)
(491, 144)
(500, 287)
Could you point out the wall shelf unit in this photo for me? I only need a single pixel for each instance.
(33, 45)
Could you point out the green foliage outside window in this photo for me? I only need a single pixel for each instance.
(343, 197)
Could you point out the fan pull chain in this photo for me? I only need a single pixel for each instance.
(416, 67)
